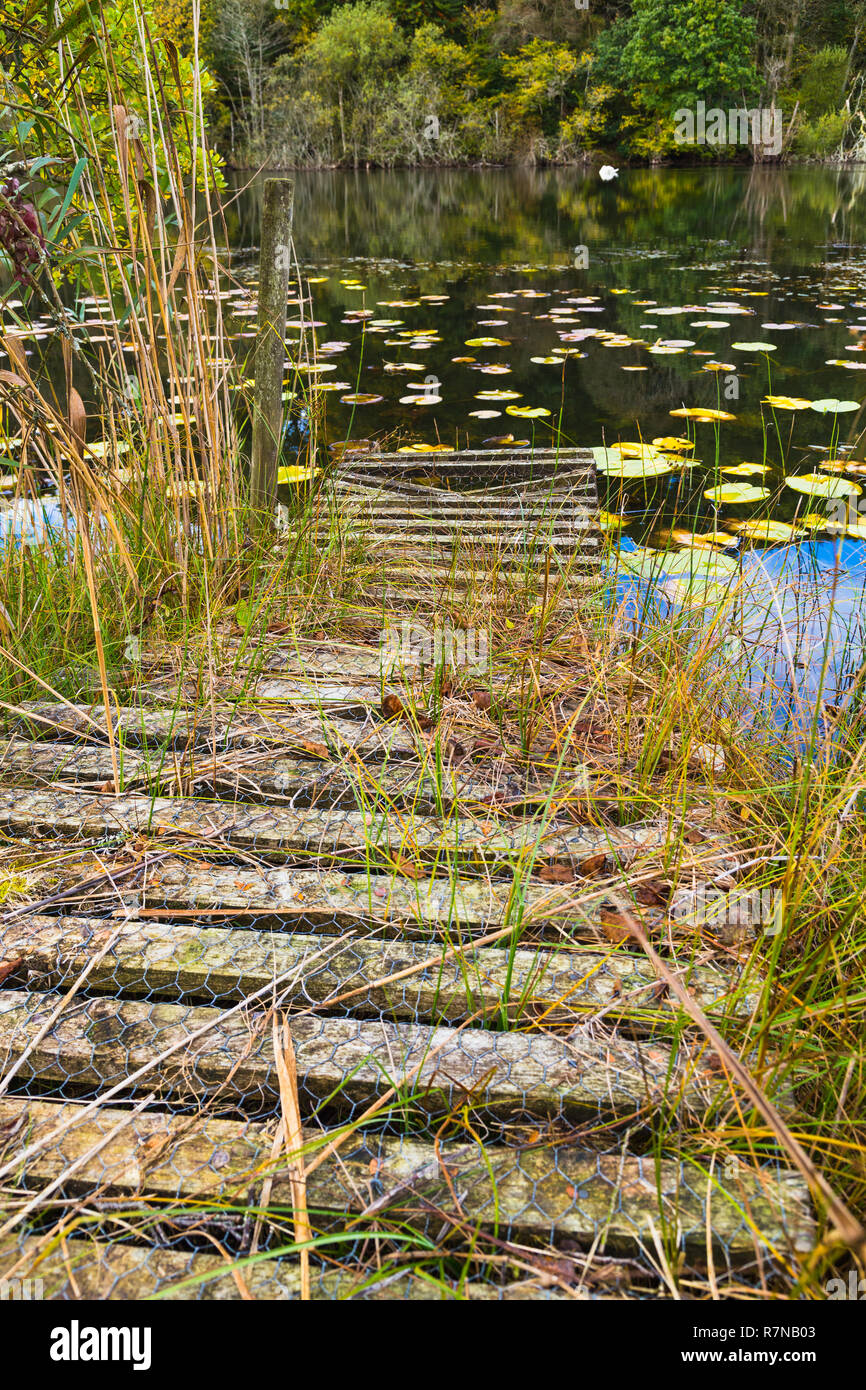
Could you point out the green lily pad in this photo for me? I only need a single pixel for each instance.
(822, 485)
(610, 461)
(698, 567)
(754, 347)
(831, 406)
(735, 493)
(771, 532)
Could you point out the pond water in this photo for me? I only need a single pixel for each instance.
(604, 305)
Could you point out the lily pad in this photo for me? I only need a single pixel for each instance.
(296, 474)
(831, 406)
(671, 443)
(735, 494)
(746, 470)
(698, 566)
(754, 347)
(611, 462)
(773, 532)
(787, 402)
(693, 412)
(821, 485)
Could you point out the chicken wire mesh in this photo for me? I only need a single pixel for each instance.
(492, 1105)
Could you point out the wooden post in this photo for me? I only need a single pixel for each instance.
(270, 350)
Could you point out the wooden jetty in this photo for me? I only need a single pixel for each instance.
(472, 1042)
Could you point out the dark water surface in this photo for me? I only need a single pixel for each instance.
(720, 257)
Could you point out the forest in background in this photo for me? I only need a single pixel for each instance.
(311, 83)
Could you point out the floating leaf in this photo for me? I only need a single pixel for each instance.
(697, 565)
(746, 470)
(820, 485)
(769, 531)
(735, 493)
(296, 474)
(787, 402)
(754, 347)
(488, 342)
(528, 412)
(693, 412)
(629, 450)
(607, 461)
(672, 443)
(831, 406)
(361, 398)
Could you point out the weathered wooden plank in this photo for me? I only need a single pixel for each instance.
(550, 1193)
(90, 1269)
(507, 507)
(278, 832)
(306, 781)
(218, 964)
(230, 727)
(508, 530)
(423, 908)
(360, 697)
(347, 1062)
(586, 550)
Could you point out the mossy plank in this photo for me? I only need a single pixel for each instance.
(175, 960)
(315, 780)
(391, 903)
(349, 1062)
(280, 833)
(544, 1192)
(91, 1269)
(304, 692)
(237, 728)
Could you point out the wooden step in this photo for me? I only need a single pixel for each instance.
(346, 1062)
(280, 833)
(546, 1193)
(91, 1269)
(306, 780)
(471, 464)
(528, 542)
(224, 964)
(392, 904)
(226, 727)
(358, 698)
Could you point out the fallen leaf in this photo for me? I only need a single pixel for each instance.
(318, 750)
(8, 967)
(481, 699)
(556, 873)
(393, 707)
(653, 894)
(593, 864)
(614, 925)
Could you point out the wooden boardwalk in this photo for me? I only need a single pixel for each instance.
(475, 1048)
(536, 507)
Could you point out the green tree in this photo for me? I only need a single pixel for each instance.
(681, 51)
(355, 48)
